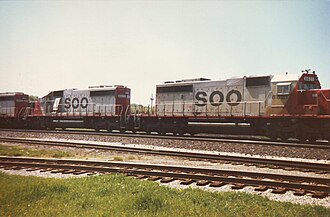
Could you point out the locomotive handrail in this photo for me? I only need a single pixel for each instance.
(326, 99)
(97, 109)
(127, 110)
(23, 112)
(183, 109)
(267, 96)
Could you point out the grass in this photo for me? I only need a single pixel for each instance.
(6, 150)
(131, 158)
(117, 195)
(116, 158)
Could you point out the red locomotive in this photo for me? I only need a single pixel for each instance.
(13, 107)
(288, 106)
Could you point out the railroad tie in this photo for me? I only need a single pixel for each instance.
(273, 167)
(187, 181)
(202, 183)
(153, 178)
(217, 184)
(167, 180)
(307, 170)
(140, 176)
(16, 168)
(261, 188)
(56, 171)
(319, 195)
(67, 171)
(290, 169)
(46, 170)
(321, 172)
(32, 169)
(279, 190)
(238, 186)
(79, 172)
(300, 192)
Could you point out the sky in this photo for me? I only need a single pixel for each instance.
(54, 45)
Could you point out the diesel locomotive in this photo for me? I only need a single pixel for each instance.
(277, 106)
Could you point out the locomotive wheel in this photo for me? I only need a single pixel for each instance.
(148, 131)
(181, 133)
(301, 137)
(312, 139)
(161, 131)
(272, 136)
(284, 136)
(109, 128)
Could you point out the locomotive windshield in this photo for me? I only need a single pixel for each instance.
(308, 86)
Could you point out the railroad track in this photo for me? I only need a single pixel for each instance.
(273, 163)
(237, 141)
(316, 187)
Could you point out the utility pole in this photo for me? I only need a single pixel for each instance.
(151, 102)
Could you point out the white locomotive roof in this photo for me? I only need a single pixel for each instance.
(187, 80)
(205, 80)
(105, 87)
(94, 88)
(286, 78)
(11, 93)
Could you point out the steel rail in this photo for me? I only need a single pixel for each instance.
(308, 184)
(187, 138)
(171, 168)
(320, 167)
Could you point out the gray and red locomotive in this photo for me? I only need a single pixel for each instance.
(286, 106)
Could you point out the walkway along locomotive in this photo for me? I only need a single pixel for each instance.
(286, 106)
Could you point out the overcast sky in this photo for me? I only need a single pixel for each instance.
(52, 45)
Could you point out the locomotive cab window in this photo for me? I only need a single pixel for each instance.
(308, 86)
(283, 88)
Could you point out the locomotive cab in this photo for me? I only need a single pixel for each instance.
(306, 94)
(308, 82)
(311, 96)
(13, 104)
(299, 95)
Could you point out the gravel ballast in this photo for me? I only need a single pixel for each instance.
(302, 154)
(248, 149)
